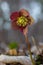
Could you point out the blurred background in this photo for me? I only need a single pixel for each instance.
(35, 7)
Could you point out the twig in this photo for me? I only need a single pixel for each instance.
(34, 41)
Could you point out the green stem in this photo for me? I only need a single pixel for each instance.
(32, 60)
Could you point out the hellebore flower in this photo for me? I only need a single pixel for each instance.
(20, 19)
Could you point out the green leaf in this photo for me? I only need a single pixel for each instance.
(13, 45)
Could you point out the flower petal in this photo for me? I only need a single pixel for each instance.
(16, 27)
(14, 16)
(24, 12)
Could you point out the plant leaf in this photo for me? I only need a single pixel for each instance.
(13, 45)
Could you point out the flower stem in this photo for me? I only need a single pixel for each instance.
(32, 60)
(29, 48)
